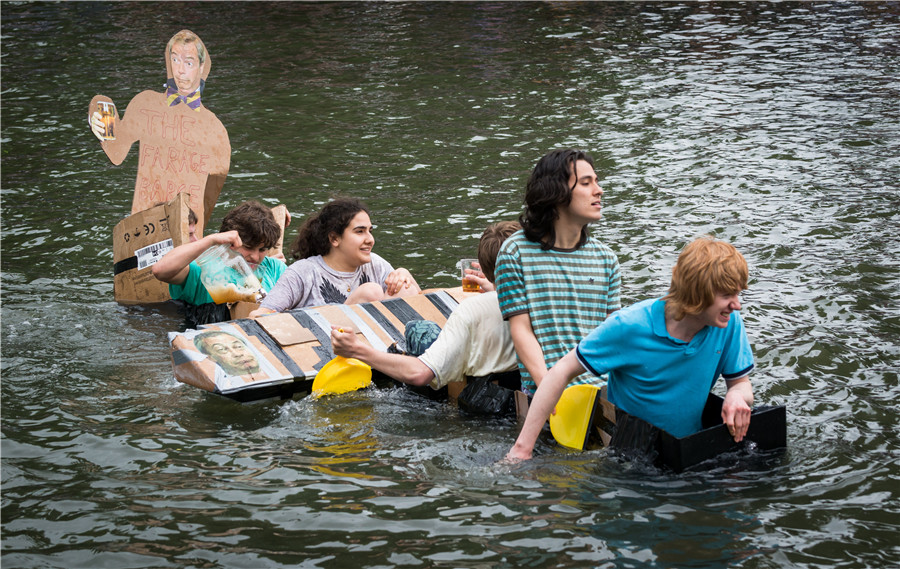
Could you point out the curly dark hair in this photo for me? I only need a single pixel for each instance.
(548, 189)
(254, 223)
(314, 237)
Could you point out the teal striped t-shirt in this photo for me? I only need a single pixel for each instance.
(566, 292)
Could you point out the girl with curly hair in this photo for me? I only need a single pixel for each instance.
(336, 264)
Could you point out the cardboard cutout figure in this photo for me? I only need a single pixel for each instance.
(183, 146)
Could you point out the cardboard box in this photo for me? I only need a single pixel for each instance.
(242, 309)
(139, 241)
(629, 434)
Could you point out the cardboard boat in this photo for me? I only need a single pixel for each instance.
(279, 355)
(584, 415)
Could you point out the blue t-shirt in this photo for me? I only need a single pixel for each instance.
(192, 290)
(661, 379)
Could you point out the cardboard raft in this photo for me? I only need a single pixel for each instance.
(289, 348)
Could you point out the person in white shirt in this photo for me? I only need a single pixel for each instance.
(475, 341)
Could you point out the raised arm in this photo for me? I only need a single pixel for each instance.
(173, 268)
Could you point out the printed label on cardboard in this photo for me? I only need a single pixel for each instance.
(149, 255)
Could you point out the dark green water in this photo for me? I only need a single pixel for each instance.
(775, 126)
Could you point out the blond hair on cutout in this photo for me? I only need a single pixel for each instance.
(706, 267)
(188, 37)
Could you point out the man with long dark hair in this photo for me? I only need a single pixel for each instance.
(555, 282)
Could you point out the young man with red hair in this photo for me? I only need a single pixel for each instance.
(664, 355)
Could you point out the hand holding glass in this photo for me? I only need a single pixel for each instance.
(107, 112)
(469, 267)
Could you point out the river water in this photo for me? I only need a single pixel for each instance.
(774, 126)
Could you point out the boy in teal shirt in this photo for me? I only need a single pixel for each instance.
(251, 230)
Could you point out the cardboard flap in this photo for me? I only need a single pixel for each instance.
(425, 308)
(285, 330)
(456, 293)
(242, 309)
(197, 373)
(335, 315)
(139, 241)
(151, 226)
(214, 183)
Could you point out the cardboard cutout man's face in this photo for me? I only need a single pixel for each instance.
(231, 354)
(186, 67)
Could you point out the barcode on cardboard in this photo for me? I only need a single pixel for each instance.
(149, 255)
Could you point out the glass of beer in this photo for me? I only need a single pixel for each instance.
(467, 267)
(107, 112)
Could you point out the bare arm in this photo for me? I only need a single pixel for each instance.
(737, 407)
(401, 280)
(407, 369)
(260, 312)
(545, 399)
(173, 268)
(527, 346)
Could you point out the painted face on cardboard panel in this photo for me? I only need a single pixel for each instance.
(184, 63)
(231, 354)
(354, 246)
